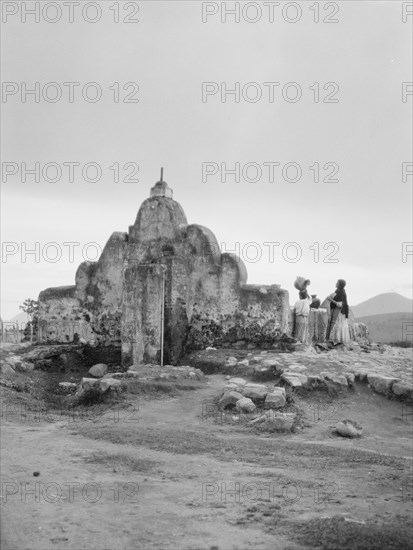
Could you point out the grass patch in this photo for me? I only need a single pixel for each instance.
(338, 534)
(265, 452)
(117, 461)
(153, 388)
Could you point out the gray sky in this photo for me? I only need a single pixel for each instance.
(169, 53)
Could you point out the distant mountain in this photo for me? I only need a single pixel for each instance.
(389, 327)
(390, 302)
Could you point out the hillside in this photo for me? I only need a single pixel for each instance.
(390, 302)
(20, 318)
(389, 327)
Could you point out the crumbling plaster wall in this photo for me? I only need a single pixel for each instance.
(118, 299)
(89, 311)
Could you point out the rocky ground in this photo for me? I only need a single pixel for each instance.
(159, 461)
(388, 370)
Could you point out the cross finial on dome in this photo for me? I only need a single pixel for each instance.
(161, 189)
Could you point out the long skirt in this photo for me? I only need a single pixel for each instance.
(338, 329)
(301, 328)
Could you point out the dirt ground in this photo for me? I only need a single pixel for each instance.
(167, 472)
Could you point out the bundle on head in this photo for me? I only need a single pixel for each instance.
(301, 283)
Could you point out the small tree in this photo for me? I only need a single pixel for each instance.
(31, 309)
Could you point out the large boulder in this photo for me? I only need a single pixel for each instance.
(282, 422)
(349, 428)
(99, 370)
(338, 379)
(229, 399)
(403, 389)
(381, 384)
(295, 379)
(276, 399)
(255, 391)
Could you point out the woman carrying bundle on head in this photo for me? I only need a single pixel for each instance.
(338, 330)
(301, 310)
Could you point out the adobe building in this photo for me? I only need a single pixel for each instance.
(162, 289)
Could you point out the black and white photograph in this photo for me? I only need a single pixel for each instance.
(206, 275)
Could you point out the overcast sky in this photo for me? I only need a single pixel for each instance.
(362, 134)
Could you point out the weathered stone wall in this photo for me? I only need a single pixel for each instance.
(90, 311)
(163, 260)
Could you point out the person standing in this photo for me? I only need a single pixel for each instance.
(301, 312)
(338, 330)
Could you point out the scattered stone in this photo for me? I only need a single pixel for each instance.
(350, 377)
(237, 381)
(255, 391)
(294, 379)
(272, 364)
(381, 384)
(109, 383)
(281, 421)
(243, 363)
(231, 362)
(7, 369)
(349, 428)
(245, 405)
(98, 370)
(276, 421)
(229, 399)
(339, 379)
(259, 419)
(276, 399)
(88, 383)
(297, 368)
(232, 387)
(403, 389)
